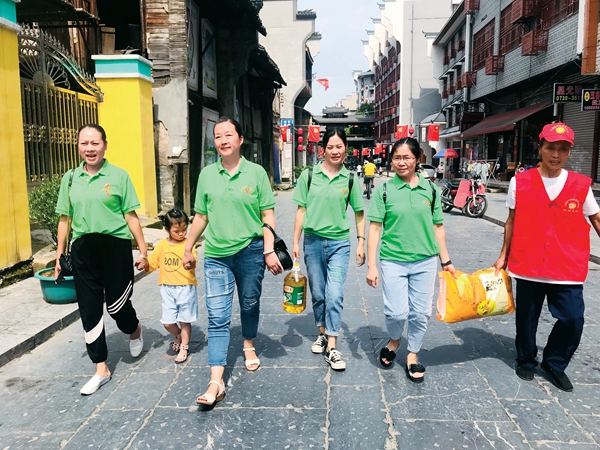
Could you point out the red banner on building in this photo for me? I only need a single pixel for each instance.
(314, 133)
(284, 133)
(401, 131)
(366, 152)
(433, 133)
(378, 149)
(324, 82)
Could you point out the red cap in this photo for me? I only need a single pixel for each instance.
(557, 132)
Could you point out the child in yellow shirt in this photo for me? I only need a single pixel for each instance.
(178, 286)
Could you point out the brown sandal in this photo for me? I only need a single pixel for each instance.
(181, 357)
(175, 345)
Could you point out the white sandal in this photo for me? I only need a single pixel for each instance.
(250, 362)
(211, 400)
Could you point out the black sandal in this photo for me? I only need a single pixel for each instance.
(415, 368)
(388, 354)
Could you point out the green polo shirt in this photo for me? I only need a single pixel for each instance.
(325, 203)
(407, 220)
(99, 202)
(233, 204)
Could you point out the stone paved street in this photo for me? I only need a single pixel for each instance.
(471, 398)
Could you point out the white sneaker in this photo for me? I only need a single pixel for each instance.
(93, 385)
(320, 344)
(334, 358)
(136, 345)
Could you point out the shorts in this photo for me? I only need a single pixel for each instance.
(179, 303)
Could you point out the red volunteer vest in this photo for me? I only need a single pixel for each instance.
(551, 239)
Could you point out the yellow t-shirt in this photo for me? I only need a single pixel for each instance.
(370, 169)
(168, 258)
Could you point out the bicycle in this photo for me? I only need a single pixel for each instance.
(369, 183)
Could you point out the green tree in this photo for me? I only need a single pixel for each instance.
(365, 108)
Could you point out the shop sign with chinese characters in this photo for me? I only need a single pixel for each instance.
(569, 93)
(590, 100)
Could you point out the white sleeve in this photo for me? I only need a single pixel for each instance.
(590, 207)
(511, 198)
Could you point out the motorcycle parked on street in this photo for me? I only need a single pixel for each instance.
(468, 196)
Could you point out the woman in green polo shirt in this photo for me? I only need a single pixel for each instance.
(233, 200)
(322, 216)
(101, 200)
(408, 208)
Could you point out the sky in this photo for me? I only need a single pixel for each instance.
(343, 24)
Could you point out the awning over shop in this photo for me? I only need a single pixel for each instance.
(503, 122)
(450, 132)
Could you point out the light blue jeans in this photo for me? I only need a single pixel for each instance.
(245, 270)
(327, 265)
(408, 294)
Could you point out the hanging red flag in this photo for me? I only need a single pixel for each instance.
(366, 152)
(314, 133)
(285, 133)
(320, 153)
(433, 133)
(324, 82)
(310, 149)
(401, 131)
(378, 149)
(355, 153)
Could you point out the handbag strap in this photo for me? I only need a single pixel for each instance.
(69, 217)
(266, 225)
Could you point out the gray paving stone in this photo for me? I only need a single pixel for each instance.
(108, 430)
(450, 396)
(47, 404)
(455, 434)
(141, 391)
(233, 428)
(545, 420)
(32, 440)
(356, 419)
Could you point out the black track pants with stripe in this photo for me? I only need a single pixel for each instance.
(103, 271)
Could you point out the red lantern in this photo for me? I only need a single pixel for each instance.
(300, 148)
(411, 131)
(300, 139)
(300, 131)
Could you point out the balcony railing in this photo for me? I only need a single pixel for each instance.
(533, 42)
(494, 64)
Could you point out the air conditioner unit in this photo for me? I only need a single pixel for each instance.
(522, 9)
(533, 42)
(494, 64)
(471, 6)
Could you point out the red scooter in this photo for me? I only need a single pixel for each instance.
(468, 196)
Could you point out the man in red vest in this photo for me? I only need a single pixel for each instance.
(547, 248)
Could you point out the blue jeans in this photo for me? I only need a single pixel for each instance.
(245, 270)
(407, 295)
(327, 265)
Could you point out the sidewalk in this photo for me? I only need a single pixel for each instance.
(26, 320)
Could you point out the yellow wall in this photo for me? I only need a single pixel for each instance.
(126, 115)
(15, 237)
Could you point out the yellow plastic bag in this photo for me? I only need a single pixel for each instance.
(474, 295)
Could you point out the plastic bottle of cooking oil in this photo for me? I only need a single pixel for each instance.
(294, 290)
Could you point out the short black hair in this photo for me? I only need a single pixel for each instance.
(174, 216)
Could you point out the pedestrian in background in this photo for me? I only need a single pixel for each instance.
(440, 171)
(101, 201)
(547, 249)
(408, 208)
(233, 200)
(322, 216)
(178, 286)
